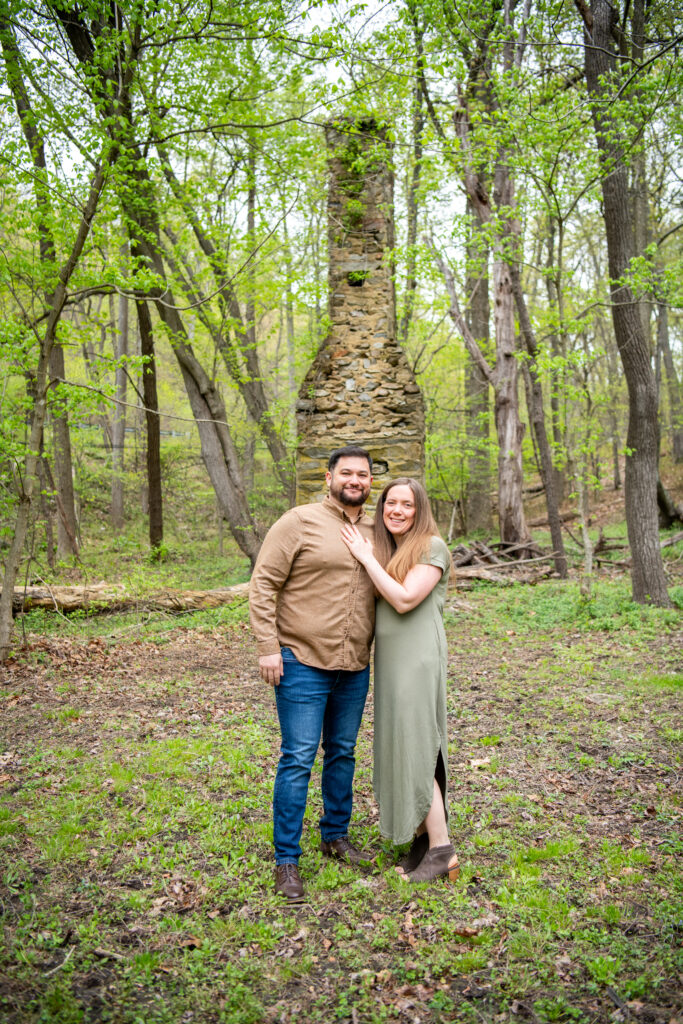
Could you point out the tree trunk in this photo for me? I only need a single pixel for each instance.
(647, 577)
(415, 171)
(67, 539)
(537, 417)
(47, 507)
(509, 427)
(672, 383)
(640, 198)
(118, 424)
(557, 348)
(477, 409)
(289, 329)
(149, 394)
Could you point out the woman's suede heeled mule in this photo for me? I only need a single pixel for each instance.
(439, 862)
(418, 849)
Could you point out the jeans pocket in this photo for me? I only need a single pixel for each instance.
(287, 654)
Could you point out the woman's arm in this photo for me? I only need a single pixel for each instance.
(405, 596)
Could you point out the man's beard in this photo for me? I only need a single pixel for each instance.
(354, 499)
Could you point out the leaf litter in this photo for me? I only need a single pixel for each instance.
(566, 830)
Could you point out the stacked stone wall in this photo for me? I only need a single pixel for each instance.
(360, 388)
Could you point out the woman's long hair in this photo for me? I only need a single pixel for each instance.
(398, 561)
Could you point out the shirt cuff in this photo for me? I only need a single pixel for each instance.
(269, 646)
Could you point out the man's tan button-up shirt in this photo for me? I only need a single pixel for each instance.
(309, 593)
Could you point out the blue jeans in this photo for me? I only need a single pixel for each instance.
(310, 702)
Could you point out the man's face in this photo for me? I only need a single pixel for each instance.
(350, 480)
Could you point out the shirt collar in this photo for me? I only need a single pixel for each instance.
(332, 505)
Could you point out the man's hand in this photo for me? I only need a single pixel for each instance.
(270, 667)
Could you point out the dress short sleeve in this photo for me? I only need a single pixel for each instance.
(437, 554)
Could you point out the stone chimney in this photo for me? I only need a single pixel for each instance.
(360, 388)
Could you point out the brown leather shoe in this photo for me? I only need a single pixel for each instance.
(288, 882)
(342, 849)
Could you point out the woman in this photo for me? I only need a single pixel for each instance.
(409, 568)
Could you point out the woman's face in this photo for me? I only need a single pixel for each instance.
(399, 510)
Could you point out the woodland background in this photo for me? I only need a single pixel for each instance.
(163, 280)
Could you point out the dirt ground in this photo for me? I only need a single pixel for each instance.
(552, 733)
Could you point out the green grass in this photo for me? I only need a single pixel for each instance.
(135, 831)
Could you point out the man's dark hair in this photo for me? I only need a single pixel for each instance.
(350, 451)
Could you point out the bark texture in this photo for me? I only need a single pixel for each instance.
(640, 488)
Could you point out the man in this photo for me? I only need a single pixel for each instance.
(313, 613)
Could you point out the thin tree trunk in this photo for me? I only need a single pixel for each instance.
(556, 373)
(640, 199)
(412, 212)
(149, 393)
(118, 424)
(672, 383)
(613, 380)
(586, 585)
(537, 417)
(67, 539)
(509, 427)
(47, 506)
(289, 329)
(477, 409)
(647, 576)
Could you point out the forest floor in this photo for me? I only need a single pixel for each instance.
(137, 758)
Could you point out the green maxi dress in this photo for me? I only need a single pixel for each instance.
(410, 706)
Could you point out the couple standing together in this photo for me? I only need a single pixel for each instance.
(312, 603)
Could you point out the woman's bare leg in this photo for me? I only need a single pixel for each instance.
(434, 823)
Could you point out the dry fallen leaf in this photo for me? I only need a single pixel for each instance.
(480, 762)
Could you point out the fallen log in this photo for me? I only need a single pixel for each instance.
(565, 517)
(463, 578)
(477, 554)
(106, 597)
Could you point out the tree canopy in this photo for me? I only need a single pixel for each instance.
(163, 235)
